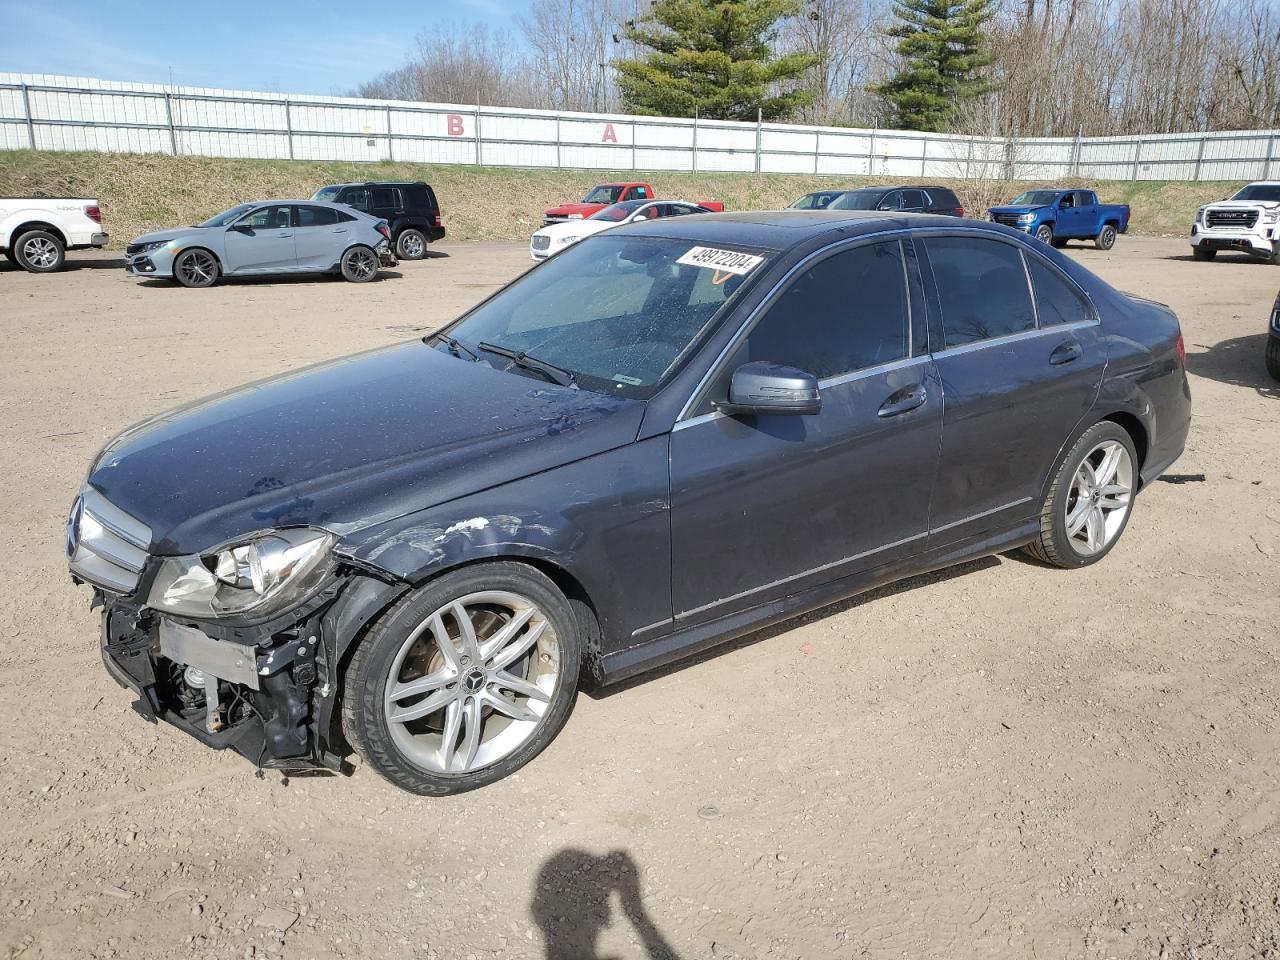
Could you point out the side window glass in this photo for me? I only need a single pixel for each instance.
(1056, 301)
(343, 217)
(316, 216)
(982, 288)
(845, 313)
(266, 218)
(358, 199)
(912, 199)
(382, 198)
(891, 201)
(641, 194)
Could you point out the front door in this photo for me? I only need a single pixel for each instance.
(763, 507)
(1018, 375)
(261, 241)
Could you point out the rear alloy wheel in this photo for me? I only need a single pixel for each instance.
(465, 680)
(196, 268)
(1089, 500)
(1106, 238)
(1044, 233)
(359, 265)
(1201, 252)
(411, 245)
(39, 251)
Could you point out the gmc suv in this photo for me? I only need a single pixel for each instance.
(410, 208)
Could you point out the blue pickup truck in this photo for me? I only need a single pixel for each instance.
(1056, 216)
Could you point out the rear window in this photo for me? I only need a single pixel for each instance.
(982, 287)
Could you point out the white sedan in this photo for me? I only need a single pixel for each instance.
(552, 239)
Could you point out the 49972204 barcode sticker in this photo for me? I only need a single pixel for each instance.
(722, 261)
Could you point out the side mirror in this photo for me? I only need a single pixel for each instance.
(638, 218)
(761, 387)
(241, 228)
(886, 206)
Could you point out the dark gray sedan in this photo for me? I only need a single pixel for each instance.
(669, 435)
(266, 237)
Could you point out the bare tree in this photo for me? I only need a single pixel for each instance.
(573, 41)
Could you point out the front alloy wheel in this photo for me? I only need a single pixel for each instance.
(1090, 499)
(465, 680)
(1044, 233)
(196, 268)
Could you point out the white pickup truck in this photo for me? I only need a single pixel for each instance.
(37, 233)
(1249, 222)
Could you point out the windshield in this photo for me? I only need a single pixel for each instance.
(619, 211)
(1035, 198)
(616, 312)
(603, 195)
(327, 193)
(814, 201)
(857, 200)
(228, 216)
(1264, 192)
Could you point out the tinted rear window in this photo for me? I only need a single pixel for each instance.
(982, 287)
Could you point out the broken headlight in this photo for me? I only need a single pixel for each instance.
(254, 578)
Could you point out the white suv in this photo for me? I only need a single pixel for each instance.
(1249, 222)
(36, 234)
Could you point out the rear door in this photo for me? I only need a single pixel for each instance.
(763, 507)
(261, 242)
(1018, 372)
(913, 201)
(386, 202)
(319, 237)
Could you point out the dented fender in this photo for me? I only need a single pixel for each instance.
(621, 496)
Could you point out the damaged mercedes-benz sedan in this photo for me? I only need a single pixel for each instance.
(662, 438)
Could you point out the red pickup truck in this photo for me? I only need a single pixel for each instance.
(607, 194)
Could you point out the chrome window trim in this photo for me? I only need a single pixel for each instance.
(961, 348)
(767, 301)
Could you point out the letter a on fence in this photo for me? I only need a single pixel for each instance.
(610, 134)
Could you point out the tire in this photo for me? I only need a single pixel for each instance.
(1044, 233)
(1058, 242)
(1274, 259)
(411, 245)
(359, 265)
(39, 251)
(1106, 238)
(1201, 253)
(431, 753)
(1273, 357)
(1068, 500)
(196, 268)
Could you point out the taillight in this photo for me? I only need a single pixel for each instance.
(93, 213)
(383, 229)
(959, 211)
(1182, 350)
(437, 217)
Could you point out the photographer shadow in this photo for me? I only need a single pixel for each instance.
(572, 905)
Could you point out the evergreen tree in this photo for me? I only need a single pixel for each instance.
(713, 57)
(942, 43)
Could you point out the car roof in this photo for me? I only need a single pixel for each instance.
(783, 229)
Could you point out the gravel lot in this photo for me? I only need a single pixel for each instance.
(998, 761)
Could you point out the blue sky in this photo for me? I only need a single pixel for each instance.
(289, 46)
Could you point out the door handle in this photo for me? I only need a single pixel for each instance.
(903, 401)
(1065, 353)
(282, 235)
(339, 229)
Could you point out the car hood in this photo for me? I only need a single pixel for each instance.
(170, 234)
(347, 444)
(1042, 206)
(573, 228)
(586, 209)
(1243, 204)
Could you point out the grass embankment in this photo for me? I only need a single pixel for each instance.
(147, 192)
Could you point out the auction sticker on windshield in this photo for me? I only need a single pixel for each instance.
(722, 261)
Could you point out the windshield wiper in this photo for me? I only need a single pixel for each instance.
(521, 359)
(456, 347)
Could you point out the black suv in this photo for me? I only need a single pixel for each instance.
(931, 199)
(410, 208)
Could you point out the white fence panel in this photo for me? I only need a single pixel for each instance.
(77, 113)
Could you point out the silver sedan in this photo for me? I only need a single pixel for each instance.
(267, 237)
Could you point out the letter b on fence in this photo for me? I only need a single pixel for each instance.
(455, 125)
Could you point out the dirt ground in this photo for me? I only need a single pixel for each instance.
(998, 761)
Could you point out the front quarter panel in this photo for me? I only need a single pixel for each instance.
(602, 520)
